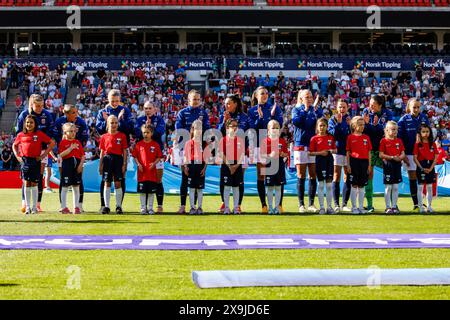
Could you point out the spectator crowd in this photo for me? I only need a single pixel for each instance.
(167, 88)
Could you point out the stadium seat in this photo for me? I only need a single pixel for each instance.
(352, 3)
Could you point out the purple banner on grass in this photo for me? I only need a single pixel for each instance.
(227, 242)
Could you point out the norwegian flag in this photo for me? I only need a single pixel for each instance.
(99, 90)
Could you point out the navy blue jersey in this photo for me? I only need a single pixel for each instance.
(257, 123)
(82, 133)
(241, 118)
(304, 124)
(376, 132)
(340, 132)
(188, 115)
(44, 121)
(408, 125)
(125, 124)
(159, 128)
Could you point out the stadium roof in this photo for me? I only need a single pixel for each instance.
(224, 18)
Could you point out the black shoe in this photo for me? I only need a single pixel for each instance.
(105, 210)
(119, 210)
(101, 210)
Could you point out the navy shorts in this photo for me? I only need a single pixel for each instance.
(277, 179)
(70, 176)
(359, 176)
(324, 167)
(194, 178)
(31, 169)
(112, 168)
(227, 179)
(426, 178)
(392, 172)
(147, 187)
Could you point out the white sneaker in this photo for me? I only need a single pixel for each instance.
(34, 210)
(422, 209)
(330, 210)
(322, 211)
(301, 209)
(48, 190)
(346, 209)
(143, 211)
(337, 209)
(430, 209)
(312, 209)
(150, 211)
(226, 211)
(355, 211)
(193, 211)
(362, 211)
(80, 206)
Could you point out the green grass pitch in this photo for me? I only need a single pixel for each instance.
(149, 274)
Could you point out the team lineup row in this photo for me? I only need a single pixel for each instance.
(322, 148)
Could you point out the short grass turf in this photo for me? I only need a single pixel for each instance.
(150, 274)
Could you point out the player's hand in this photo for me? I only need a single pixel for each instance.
(202, 173)
(274, 109)
(152, 165)
(124, 168)
(316, 102)
(349, 120)
(226, 116)
(186, 170)
(233, 169)
(105, 116)
(100, 170)
(349, 169)
(80, 168)
(369, 169)
(20, 159)
(121, 113)
(366, 118)
(260, 113)
(74, 146)
(140, 168)
(375, 120)
(426, 170)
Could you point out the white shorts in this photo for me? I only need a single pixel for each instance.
(245, 162)
(45, 160)
(177, 157)
(159, 165)
(412, 165)
(303, 157)
(340, 160)
(255, 157)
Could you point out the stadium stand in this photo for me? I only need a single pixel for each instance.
(315, 3)
(361, 3)
(231, 51)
